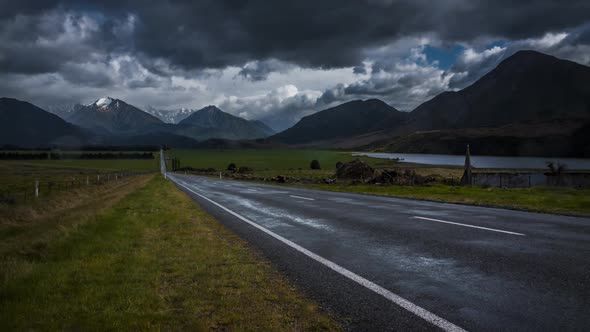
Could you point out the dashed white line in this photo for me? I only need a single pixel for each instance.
(300, 197)
(467, 225)
(409, 306)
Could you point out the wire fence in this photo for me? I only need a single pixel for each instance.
(36, 189)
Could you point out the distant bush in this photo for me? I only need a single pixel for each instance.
(339, 164)
(315, 164)
(231, 167)
(244, 170)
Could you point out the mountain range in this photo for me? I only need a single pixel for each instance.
(170, 116)
(530, 104)
(113, 121)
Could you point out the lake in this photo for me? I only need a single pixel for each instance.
(483, 161)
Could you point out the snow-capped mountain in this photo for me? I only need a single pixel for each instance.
(110, 115)
(170, 116)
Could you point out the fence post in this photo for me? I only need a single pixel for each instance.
(37, 188)
(87, 180)
(98, 179)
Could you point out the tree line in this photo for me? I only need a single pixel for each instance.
(122, 148)
(67, 156)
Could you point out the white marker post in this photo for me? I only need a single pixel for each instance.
(37, 188)
(219, 175)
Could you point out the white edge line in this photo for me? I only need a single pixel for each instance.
(409, 306)
(467, 225)
(307, 198)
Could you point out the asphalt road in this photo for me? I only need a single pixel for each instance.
(383, 263)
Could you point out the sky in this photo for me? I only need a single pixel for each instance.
(275, 61)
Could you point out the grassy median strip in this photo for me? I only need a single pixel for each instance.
(152, 261)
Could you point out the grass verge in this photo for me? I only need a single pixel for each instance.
(541, 199)
(152, 261)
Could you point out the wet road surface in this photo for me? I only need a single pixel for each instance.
(382, 263)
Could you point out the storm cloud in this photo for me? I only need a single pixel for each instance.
(238, 54)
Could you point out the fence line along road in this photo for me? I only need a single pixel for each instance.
(11, 194)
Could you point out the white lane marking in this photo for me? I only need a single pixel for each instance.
(307, 198)
(409, 306)
(467, 225)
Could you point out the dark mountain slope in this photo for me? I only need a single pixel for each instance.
(343, 121)
(211, 122)
(25, 124)
(528, 86)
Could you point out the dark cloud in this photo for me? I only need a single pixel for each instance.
(163, 52)
(359, 70)
(259, 70)
(321, 34)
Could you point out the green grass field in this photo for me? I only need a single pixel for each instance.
(271, 162)
(17, 177)
(138, 254)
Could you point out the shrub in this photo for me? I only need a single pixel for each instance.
(231, 167)
(315, 164)
(244, 170)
